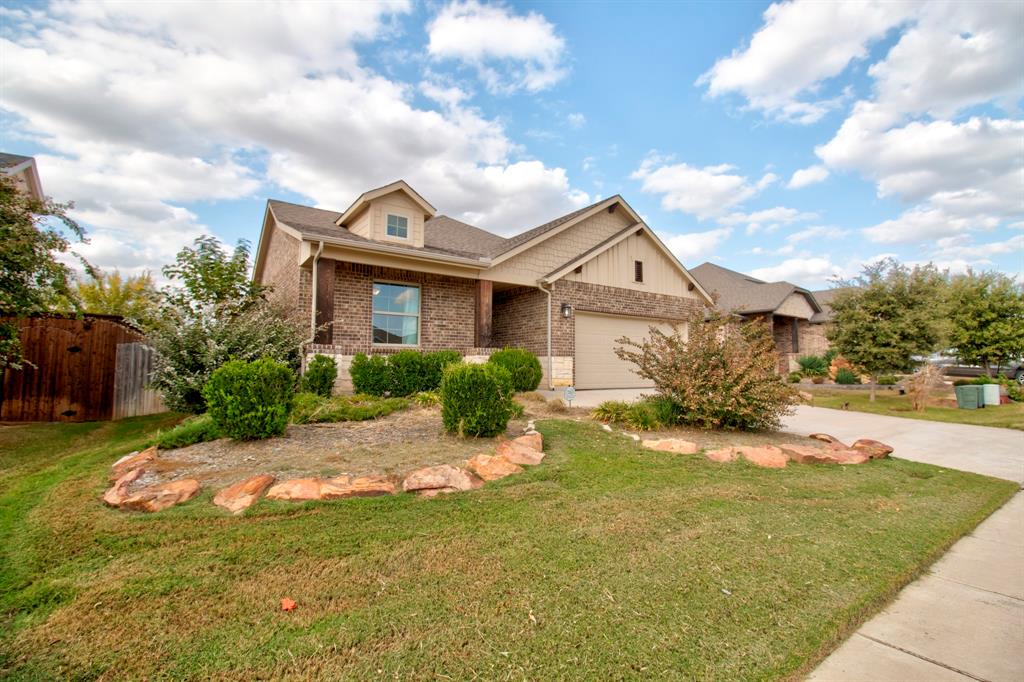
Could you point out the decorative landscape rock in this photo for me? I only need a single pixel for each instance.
(492, 467)
(442, 478)
(767, 456)
(518, 453)
(132, 461)
(118, 492)
(296, 489)
(362, 486)
(726, 454)
(849, 456)
(240, 496)
(157, 497)
(873, 448)
(677, 445)
(532, 439)
(825, 438)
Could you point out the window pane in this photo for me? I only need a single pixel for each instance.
(398, 226)
(395, 298)
(395, 329)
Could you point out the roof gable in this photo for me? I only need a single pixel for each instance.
(741, 293)
(397, 186)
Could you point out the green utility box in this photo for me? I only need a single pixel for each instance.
(969, 397)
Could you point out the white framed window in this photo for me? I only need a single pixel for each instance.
(398, 226)
(396, 314)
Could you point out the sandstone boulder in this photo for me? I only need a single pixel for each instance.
(677, 445)
(518, 453)
(492, 467)
(132, 461)
(726, 454)
(118, 493)
(767, 456)
(850, 456)
(441, 477)
(362, 486)
(154, 498)
(531, 439)
(807, 454)
(825, 438)
(296, 489)
(240, 496)
(873, 448)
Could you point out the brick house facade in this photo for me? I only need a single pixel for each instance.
(477, 292)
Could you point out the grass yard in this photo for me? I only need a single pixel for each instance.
(605, 562)
(891, 403)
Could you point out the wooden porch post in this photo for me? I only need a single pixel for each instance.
(484, 306)
(324, 301)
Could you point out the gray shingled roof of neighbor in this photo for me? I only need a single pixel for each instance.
(742, 293)
(8, 160)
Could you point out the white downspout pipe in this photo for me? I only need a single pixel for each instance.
(551, 378)
(312, 312)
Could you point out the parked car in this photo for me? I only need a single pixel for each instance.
(954, 367)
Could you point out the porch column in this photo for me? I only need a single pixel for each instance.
(484, 306)
(324, 301)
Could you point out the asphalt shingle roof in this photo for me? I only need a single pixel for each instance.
(8, 160)
(742, 293)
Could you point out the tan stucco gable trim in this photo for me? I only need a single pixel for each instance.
(397, 186)
(639, 228)
(544, 236)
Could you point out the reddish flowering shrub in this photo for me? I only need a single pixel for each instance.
(721, 373)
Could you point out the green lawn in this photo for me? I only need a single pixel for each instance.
(606, 562)
(891, 403)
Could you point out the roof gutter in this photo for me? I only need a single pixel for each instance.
(481, 263)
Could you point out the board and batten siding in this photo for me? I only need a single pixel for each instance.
(615, 268)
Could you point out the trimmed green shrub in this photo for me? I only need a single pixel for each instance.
(844, 375)
(433, 371)
(795, 377)
(311, 408)
(611, 411)
(371, 374)
(813, 365)
(522, 365)
(198, 429)
(251, 400)
(885, 380)
(320, 375)
(408, 373)
(476, 400)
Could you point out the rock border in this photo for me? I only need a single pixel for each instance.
(832, 451)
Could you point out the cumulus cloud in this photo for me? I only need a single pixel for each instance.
(576, 120)
(774, 74)
(694, 245)
(148, 107)
(769, 220)
(509, 51)
(821, 232)
(804, 271)
(703, 192)
(807, 176)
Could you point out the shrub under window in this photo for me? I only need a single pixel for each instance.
(522, 365)
(251, 400)
(476, 400)
(320, 375)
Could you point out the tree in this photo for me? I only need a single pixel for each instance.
(33, 233)
(888, 318)
(134, 298)
(213, 313)
(986, 316)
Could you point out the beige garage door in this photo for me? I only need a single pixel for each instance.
(596, 363)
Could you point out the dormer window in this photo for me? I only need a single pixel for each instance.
(398, 226)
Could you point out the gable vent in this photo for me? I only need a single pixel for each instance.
(638, 271)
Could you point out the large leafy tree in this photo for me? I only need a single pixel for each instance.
(34, 234)
(134, 298)
(212, 313)
(889, 317)
(986, 316)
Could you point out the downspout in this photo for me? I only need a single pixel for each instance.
(551, 378)
(312, 320)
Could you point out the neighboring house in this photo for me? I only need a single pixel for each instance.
(23, 170)
(390, 273)
(798, 317)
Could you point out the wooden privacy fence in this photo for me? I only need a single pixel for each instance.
(75, 368)
(132, 395)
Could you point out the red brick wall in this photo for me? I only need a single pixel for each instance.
(518, 319)
(281, 267)
(446, 308)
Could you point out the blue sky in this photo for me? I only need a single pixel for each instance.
(164, 121)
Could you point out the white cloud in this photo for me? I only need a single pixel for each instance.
(704, 192)
(694, 245)
(807, 176)
(775, 72)
(924, 223)
(576, 120)
(804, 271)
(509, 51)
(768, 220)
(820, 232)
(154, 105)
(961, 247)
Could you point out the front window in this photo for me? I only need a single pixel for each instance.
(398, 226)
(396, 314)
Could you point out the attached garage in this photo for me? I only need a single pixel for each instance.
(596, 364)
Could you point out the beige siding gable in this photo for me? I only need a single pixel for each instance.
(796, 305)
(552, 253)
(397, 203)
(616, 268)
